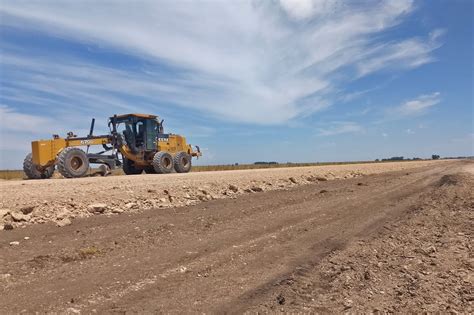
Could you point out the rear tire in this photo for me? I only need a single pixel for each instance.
(182, 162)
(163, 163)
(32, 171)
(129, 167)
(73, 162)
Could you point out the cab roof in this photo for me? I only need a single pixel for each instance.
(138, 116)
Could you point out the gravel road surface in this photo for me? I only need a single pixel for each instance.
(394, 241)
(62, 200)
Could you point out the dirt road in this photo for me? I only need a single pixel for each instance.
(310, 247)
(60, 201)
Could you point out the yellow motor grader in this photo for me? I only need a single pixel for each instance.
(136, 142)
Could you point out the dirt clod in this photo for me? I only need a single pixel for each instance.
(4, 213)
(233, 188)
(97, 207)
(347, 303)
(367, 275)
(18, 216)
(8, 227)
(256, 189)
(64, 222)
(27, 209)
(280, 299)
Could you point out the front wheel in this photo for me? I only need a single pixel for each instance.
(73, 162)
(33, 171)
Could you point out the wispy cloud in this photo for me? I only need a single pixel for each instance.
(17, 129)
(304, 9)
(337, 128)
(417, 105)
(246, 61)
(12, 120)
(409, 53)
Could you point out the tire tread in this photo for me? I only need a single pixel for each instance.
(61, 162)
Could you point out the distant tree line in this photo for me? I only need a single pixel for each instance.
(265, 163)
(459, 157)
(394, 158)
(401, 158)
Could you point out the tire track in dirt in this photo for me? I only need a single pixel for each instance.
(219, 256)
(420, 262)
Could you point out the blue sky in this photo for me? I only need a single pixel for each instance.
(275, 80)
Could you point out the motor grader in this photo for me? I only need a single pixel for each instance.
(136, 142)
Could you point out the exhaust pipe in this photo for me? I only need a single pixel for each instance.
(91, 132)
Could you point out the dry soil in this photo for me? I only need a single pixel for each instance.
(398, 241)
(62, 200)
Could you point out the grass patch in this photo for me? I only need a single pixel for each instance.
(11, 174)
(88, 252)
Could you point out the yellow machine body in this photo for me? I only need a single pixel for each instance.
(44, 152)
(142, 143)
(174, 144)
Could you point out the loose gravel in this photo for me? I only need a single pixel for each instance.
(61, 200)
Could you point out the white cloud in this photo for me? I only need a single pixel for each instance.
(18, 129)
(16, 132)
(338, 128)
(246, 61)
(303, 9)
(12, 120)
(410, 53)
(418, 105)
(409, 131)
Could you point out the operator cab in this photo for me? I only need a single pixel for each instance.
(140, 131)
